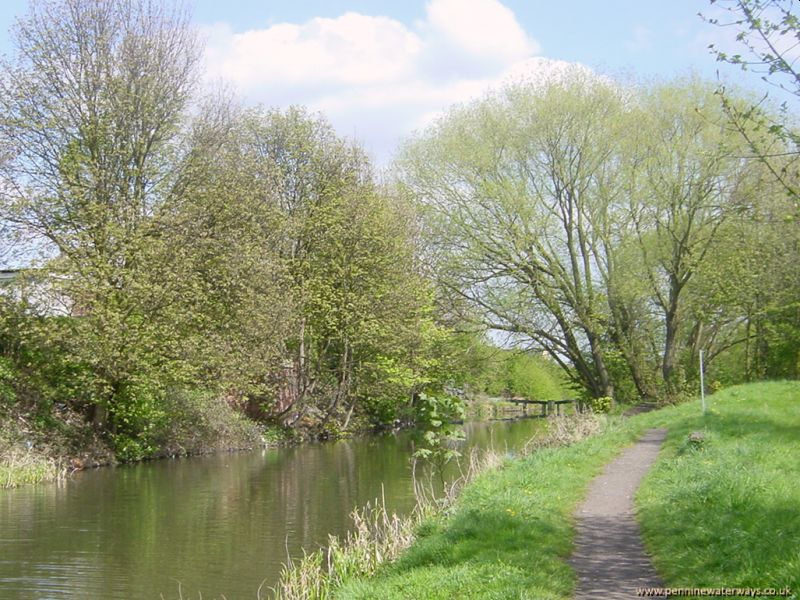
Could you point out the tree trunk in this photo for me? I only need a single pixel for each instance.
(671, 326)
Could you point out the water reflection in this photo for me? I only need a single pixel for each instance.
(221, 524)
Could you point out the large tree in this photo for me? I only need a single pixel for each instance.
(685, 176)
(575, 216)
(359, 302)
(91, 109)
(517, 190)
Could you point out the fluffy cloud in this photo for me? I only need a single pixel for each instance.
(374, 77)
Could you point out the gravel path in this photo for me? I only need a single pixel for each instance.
(609, 557)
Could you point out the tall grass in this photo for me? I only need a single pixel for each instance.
(19, 467)
(377, 537)
(565, 431)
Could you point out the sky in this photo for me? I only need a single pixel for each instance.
(380, 70)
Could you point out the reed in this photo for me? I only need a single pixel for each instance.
(378, 536)
(18, 467)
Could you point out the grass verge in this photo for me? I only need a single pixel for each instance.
(723, 511)
(508, 532)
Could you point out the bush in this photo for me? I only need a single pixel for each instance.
(602, 404)
(8, 376)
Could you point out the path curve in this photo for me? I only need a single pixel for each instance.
(609, 557)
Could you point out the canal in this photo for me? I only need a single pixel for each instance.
(214, 525)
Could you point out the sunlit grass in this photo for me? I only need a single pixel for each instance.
(509, 532)
(722, 512)
(725, 512)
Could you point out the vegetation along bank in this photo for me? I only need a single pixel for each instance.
(183, 273)
(717, 510)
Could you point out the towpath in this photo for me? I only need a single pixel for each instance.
(609, 557)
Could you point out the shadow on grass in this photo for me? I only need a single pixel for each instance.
(713, 545)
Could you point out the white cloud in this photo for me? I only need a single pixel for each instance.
(352, 49)
(375, 77)
(481, 27)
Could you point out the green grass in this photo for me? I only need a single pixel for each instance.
(724, 514)
(508, 534)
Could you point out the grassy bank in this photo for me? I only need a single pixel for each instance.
(506, 535)
(725, 511)
(721, 514)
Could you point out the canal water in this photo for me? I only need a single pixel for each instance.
(214, 525)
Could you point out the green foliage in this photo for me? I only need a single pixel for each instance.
(602, 404)
(498, 371)
(252, 255)
(499, 185)
(437, 417)
(138, 419)
(8, 377)
(248, 254)
(616, 263)
(534, 377)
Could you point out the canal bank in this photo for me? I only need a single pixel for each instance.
(716, 513)
(35, 449)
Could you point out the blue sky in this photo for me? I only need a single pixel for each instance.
(379, 69)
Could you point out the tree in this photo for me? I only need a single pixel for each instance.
(516, 189)
(221, 236)
(576, 216)
(768, 32)
(91, 112)
(686, 178)
(360, 306)
(749, 294)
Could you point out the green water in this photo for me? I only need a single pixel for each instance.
(216, 525)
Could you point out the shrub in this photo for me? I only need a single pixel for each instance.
(601, 405)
